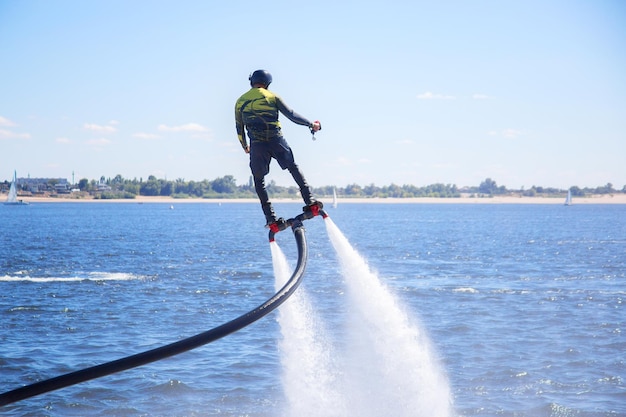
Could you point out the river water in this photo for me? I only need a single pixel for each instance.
(405, 309)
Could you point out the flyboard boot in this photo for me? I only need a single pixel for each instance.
(314, 208)
(277, 225)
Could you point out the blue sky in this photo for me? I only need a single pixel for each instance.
(408, 92)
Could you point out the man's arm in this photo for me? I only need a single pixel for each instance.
(241, 132)
(290, 114)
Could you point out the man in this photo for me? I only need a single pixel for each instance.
(258, 111)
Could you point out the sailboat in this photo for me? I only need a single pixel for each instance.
(568, 199)
(334, 197)
(12, 198)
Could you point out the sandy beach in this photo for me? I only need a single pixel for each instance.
(599, 199)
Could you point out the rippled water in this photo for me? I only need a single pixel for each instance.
(523, 304)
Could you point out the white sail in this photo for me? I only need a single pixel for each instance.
(334, 197)
(568, 199)
(12, 198)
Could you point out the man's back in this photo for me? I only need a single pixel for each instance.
(257, 109)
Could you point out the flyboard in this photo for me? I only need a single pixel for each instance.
(192, 342)
(308, 212)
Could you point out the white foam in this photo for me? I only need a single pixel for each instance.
(468, 290)
(390, 365)
(91, 276)
(309, 374)
(385, 365)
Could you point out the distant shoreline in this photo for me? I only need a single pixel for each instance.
(597, 199)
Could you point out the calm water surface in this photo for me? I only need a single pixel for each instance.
(523, 303)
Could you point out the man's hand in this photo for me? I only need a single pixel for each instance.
(247, 149)
(316, 126)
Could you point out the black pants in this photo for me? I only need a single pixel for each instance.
(261, 154)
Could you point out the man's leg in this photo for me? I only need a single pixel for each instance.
(284, 155)
(260, 158)
(266, 206)
(305, 190)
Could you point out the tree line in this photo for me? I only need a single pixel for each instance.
(227, 187)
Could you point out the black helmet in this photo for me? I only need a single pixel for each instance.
(260, 77)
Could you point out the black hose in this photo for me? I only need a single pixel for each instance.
(175, 348)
